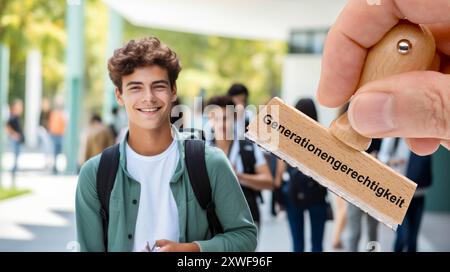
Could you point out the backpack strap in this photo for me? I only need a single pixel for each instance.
(106, 176)
(198, 176)
(247, 122)
(247, 152)
(195, 133)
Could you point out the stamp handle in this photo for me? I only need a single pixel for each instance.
(406, 47)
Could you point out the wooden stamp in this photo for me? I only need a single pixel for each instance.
(335, 157)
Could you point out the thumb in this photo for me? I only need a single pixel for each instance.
(411, 105)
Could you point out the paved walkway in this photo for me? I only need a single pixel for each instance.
(44, 220)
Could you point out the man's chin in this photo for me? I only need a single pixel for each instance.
(154, 125)
(149, 124)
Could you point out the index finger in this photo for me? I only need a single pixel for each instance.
(361, 24)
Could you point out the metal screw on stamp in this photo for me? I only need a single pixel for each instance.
(406, 47)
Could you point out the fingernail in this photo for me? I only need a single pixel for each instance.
(371, 113)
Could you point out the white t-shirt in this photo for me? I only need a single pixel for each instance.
(401, 153)
(158, 213)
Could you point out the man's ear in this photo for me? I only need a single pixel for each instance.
(118, 95)
(174, 93)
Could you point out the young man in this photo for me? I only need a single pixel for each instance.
(14, 131)
(152, 203)
(248, 161)
(239, 95)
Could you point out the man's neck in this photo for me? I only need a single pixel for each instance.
(150, 142)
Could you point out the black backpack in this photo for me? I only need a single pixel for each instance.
(303, 190)
(198, 175)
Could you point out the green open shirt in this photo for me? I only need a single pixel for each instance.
(240, 233)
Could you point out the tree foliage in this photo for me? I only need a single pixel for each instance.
(213, 63)
(209, 62)
(34, 24)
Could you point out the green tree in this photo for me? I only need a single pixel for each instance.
(40, 24)
(209, 62)
(96, 30)
(34, 24)
(214, 63)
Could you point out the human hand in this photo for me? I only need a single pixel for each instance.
(170, 246)
(414, 105)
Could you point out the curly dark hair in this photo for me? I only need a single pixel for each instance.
(140, 53)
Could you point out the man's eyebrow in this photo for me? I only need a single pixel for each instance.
(134, 83)
(160, 81)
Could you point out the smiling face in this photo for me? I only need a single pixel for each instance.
(147, 97)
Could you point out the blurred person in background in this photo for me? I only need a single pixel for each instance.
(98, 137)
(340, 220)
(45, 113)
(118, 125)
(247, 160)
(396, 153)
(113, 126)
(239, 94)
(277, 202)
(302, 193)
(56, 126)
(44, 136)
(14, 130)
(419, 170)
